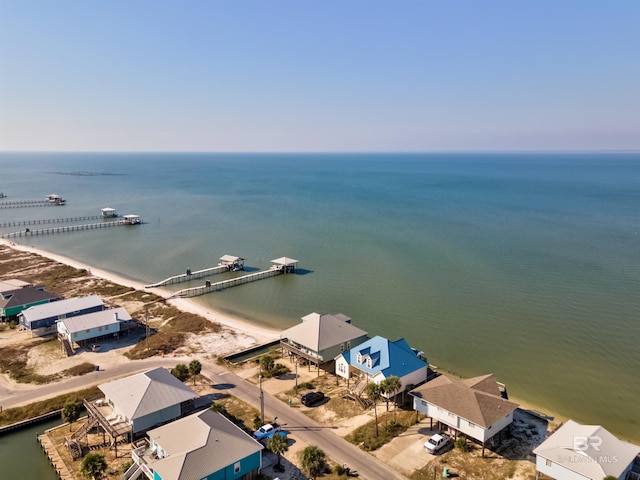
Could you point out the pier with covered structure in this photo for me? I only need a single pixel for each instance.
(227, 263)
(279, 266)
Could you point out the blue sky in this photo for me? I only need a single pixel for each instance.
(330, 75)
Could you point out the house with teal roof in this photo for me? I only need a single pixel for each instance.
(379, 358)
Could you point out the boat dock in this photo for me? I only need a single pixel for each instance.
(279, 266)
(63, 471)
(227, 263)
(27, 232)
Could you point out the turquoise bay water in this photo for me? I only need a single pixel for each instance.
(524, 265)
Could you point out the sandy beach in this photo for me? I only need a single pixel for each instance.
(243, 333)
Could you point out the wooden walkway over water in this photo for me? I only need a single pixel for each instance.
(185, 277)
(19, 223)
(227, 263)
(68, 228)
(232, 282)
(29, 203)
(279, 266)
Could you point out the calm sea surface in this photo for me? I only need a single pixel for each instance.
(524, 265)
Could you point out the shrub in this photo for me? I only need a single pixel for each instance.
(461, 444)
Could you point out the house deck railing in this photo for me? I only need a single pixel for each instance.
(304, 353)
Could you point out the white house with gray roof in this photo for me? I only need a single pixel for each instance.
(202, 446)
(148, 399)
(587, 452)
(82, 328)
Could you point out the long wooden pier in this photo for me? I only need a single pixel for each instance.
(185, 277)
(232, 282)
(68, 228)
(227, 263)
(29, 203)
(19, 223)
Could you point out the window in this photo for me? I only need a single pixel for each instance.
(88, 330)
(342, 347)
(75, 334)
(359, 358)
(369, 363)
(548, 462)
(99, 329)
(236, 468)
(349, 345)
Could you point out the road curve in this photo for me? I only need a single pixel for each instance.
(297, 424)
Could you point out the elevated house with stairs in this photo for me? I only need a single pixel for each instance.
(377, 359)
(474, 407)
(132, 405)
(321, 337)
(80, 330)
(203, 445)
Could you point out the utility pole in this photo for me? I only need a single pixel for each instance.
(146, 325)
(261, 396)
(296, 375)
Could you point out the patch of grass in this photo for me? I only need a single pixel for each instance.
(105, 288)
(171, 336)
(470, 465)
(365, 435)
(276, 371)
(13, 362)
(18, 414)
(80, 369)
(59, 274)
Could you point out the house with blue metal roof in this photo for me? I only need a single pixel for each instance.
(378, 359)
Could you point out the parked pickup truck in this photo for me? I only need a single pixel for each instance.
(436, 443)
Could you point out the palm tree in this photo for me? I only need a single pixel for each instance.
(180, 371)
(278, 445)
(390, 387)
(195, 367)
(93, 466)
(70, 413)
(267, 362)
(373, 392)
(313, 461)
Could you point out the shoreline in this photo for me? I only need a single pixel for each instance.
(235, 324)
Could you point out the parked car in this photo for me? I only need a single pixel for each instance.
(267, 431)
(95, 347)
(312, 398)
(436, 443)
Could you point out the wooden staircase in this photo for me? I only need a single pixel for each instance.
(82, 431)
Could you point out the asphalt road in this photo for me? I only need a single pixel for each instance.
(297, 424)
(15, 398)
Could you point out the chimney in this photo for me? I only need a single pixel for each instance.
(115, 315)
